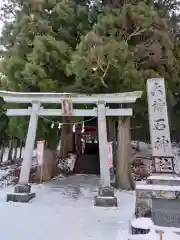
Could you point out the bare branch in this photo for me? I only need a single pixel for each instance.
(99, 65)
(135, 33)
(104, 73)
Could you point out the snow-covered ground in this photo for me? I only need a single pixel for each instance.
(63, 209)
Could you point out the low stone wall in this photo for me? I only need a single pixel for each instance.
(159, 202)
(164, 180)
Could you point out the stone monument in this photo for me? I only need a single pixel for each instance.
(159, 126)
(159, 198)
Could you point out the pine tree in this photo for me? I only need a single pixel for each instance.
(37, 46)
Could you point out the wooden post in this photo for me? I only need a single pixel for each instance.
(124, 179)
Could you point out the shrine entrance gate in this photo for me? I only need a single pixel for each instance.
(66, 100)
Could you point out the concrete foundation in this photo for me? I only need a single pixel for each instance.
(22, 188)
(100, 201)
(105, 198)
(20, 197)
(22, 193)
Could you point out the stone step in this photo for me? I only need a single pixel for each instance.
(164, 180)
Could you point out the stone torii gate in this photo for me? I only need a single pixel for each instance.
(22, 191)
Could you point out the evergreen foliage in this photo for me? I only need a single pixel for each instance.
(89, 46)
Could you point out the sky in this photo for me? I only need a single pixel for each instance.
(1, 26)
(2, 2)
(1, 23)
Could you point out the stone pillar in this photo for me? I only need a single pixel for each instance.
(29, 146)
(103, 145)
(159, 126)
(106, 192)
(23, 186)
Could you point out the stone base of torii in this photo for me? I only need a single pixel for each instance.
(22, 192)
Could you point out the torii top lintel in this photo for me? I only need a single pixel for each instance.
(26, 97)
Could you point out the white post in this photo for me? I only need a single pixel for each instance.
(103, 145)
(159, 126)
(29, 147)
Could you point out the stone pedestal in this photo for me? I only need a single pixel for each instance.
(105, 198)
(22, 193)
(159, 202)
(164, 180)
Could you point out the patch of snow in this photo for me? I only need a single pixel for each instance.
(163, 177)
(3, 173)
(164, 229)
(142, 182)
(57, 177)
(176, 153)
(143, 223)
(63, 209)
(168, 235)
(123, 235)
(157, 187)
(142, 145)
(68, 163)
(152, 235)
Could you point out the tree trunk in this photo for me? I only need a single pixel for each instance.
(20, 150)
(15, 146)
(2, 152)
(112, 131)
(10, 150)
(66, 138)
(124, 179)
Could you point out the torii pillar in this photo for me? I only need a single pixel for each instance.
(106, 195)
